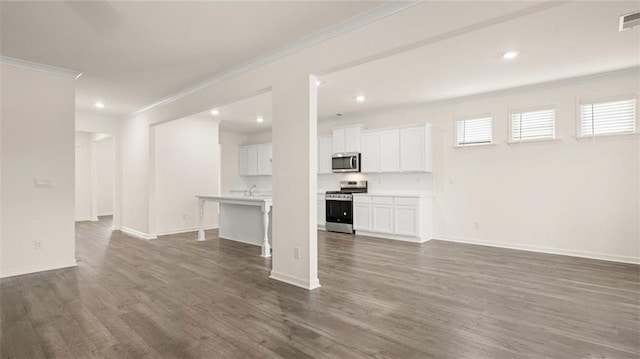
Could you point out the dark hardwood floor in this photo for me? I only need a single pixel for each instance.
(176, 298)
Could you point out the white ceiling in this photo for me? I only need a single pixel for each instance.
(132, 53)
(570, 40)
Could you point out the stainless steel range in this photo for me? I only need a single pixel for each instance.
(339, 215)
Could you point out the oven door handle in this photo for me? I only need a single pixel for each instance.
(353, 162)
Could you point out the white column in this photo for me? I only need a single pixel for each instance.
(294, 232)
(266, 248)
(201, 220)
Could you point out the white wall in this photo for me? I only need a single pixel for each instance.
(37, 116)
(576, 197)
(187, 163)
(104, 158)
(83, 186)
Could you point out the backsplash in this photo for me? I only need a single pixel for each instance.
(378, 182)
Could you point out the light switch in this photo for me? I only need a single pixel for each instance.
(42, 182)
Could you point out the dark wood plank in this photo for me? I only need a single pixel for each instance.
(175, 297)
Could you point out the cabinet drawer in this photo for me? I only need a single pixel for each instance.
(361, 199)
(382, 200)
(406, 201)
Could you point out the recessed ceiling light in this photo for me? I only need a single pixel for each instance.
(319, 82)
(260, 119)
(215, 112)
(510, 55)
(99, 105)
(360, 98)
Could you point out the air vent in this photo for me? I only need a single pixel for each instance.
(629, 20)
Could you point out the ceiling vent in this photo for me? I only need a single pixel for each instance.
(629, 20)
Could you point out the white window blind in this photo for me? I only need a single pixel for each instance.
(533, 125)
(608, 118)
(474, 131)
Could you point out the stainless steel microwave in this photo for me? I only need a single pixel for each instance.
(345, 162)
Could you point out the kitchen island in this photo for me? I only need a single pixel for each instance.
(241, 218)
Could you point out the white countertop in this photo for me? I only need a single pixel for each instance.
(395, 194)
(236, 198)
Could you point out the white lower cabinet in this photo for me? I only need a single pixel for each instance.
(322, 209)
(362, 213)
(403, 217)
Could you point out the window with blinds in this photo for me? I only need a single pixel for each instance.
(474, 131)
(606, 118)
(533, 125)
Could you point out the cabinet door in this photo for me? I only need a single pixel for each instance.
(412, 150)
(390, 151)
(264, 159)
(338, 140)
(362, 216)
(243, 161)
(382, 218)
(407, 220)
(370, 152)
(324, 154)
(352, 139)
(322, 208)
(252, 162)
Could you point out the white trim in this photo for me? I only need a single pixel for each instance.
(135, 233)
(242, 241)
(540, 249)
(38, 268)
(302, 283)
(386, 9)
(83, 219)
(391, 236)
(10, 61)
(104, 214)
(534, 141)
(184, 230)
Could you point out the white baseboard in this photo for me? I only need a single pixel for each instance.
(540, 249)
(135, 233)
(391, 236)
(37, 268)
(94, 219)
(309, 285)
(83, 219)
(105, 214)
(184, 230)
(322, 227)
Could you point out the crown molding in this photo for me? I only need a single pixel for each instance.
(10, 61)
(377, 13)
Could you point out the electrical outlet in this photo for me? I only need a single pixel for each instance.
(476, 225)
(37, 245)
(296, 253)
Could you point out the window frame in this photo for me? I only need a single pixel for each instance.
(474, 117)
(556, 124)
(590, 101)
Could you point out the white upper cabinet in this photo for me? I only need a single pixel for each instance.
(325, 151)
(346, 139)
(255, 160)
(243, 161)
(415, 149)
(390, 151)
(252, 166)
(370, 150)
(264, 159)
(352, 139)
(397, 150)
(338, 140)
